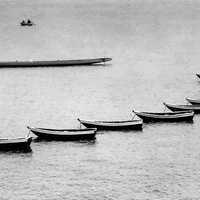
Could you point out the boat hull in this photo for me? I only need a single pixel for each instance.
(193, 101)
(26, 24)
(194, 108)
(11, 145)
(54, 63)
(119, 126)
(188, 117)
(64, 135)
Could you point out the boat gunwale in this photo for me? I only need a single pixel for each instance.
(113, 123)
(15, 140)
(166, 115)
(181, 106)
(61, 130)
(64, 132)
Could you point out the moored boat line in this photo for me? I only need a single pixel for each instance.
(180, 113)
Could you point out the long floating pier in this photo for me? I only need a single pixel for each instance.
(54, 63)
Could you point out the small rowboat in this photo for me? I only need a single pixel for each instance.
(113, 125)
(194, 101)
(166, 116)
(198, 75)
(195, 108)
(64, 134)
(15, 144)
(26, 24)
(54, 63)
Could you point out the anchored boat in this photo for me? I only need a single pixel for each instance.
(64, 134)
(15, 144)
(195, 108)
(54, 62)
(29, 23)
(193, 101)
(166, 116)
(113, 125)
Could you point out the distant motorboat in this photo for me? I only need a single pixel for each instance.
(54, 62)
(26, 23)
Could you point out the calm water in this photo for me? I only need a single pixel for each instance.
(155, 50)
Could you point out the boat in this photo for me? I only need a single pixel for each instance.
(28, 23)
(166, 116)
(113, 125)
(64, 134)
(193, 101)
(54, 62)
(198, 75)
(195, 108)
(15, 144)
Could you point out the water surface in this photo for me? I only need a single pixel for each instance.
(155, 51)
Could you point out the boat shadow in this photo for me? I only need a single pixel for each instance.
(101, 132)
(167, 122)
(16, 151)
(57, 66)
(38, 140)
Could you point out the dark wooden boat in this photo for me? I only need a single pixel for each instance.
(26, 24)
(166, 116)
(64, 134)
(193, 101)
(113, 125)
(54, 63)
(195, 108)
(198, 75)
(15, 144)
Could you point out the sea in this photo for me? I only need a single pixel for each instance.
(156, 55)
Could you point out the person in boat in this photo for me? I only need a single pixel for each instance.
(23, 22)
(29, 21)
